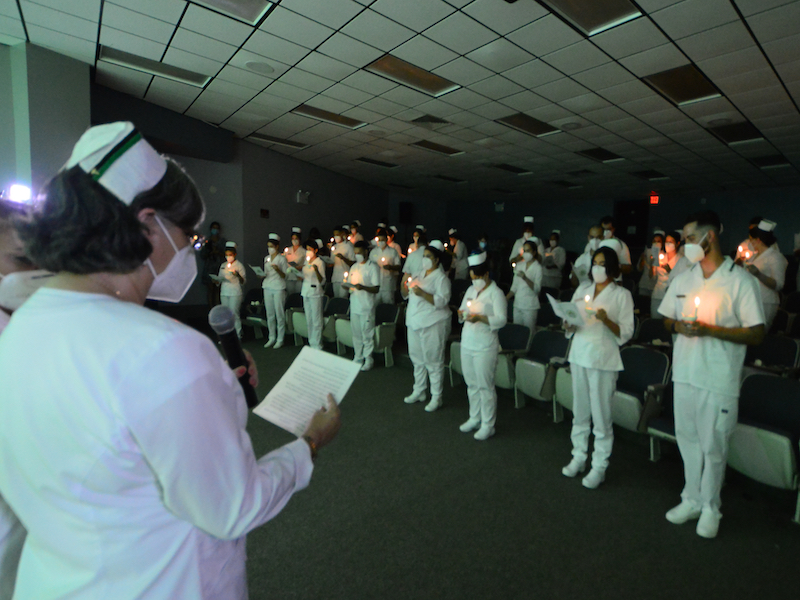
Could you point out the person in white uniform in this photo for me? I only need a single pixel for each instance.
(235, 276)
(343, 256)
(595, 362)
(274, 286)
(388, 261)
(745, 251)
(413, 262)
(483, 312)
(118, 502)
(296, 257)
(715, 308)
(527, 234)
(427, 317)
(769, 267)
(670, 264)
(364, 280)
(392, 241)
(624, 254)
(525, 287)
(312, 292)
(583, 264)
(553, 261)
(354, 235)
(419, 231)
(457, 250)
(647, 261)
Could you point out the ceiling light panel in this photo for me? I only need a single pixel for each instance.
(260, 137)
(412, 76)
(600, 155)
(683, 85)
(328, 117)
(145, 65)
(737, 133)
(527, 124)
(377, 163)
(439, 148)
(594, 16)
(248, 11)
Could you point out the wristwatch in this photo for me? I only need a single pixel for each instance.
(312, 446)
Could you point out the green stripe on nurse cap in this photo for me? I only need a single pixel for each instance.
(117, 157)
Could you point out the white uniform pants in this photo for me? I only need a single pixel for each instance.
(426, 350)
(339, 291)
(312, 305)
(293, 286)
(526, 316)
(770, 310)
(274, 301)
(704, 422)
(478, 368)
(386, 296)
(591, 391)
(363, 328)
(235, 304)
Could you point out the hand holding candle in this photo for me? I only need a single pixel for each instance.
(586, 299)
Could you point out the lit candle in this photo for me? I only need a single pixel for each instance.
(586, 299)
(445, 244)
(660, 257)
(741, 249)
(747, 255)
(696, 306)
(286, 250)
(466, 312)
(345, 274)
(331, 240)
(383, 260)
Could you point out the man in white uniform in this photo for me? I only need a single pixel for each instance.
(624, 255)
(715, 308)
(527, 233)
(364, 280)
(768, 267)
(343, 257)
(388, 260)
(274, 286)
(583, 265)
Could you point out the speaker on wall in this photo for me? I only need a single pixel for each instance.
(406, 213)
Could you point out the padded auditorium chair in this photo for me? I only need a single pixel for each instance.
(662, 427)
(530, 370)
(645, 371)
(515, 341)
(300, 325)
(336, 307)
(293, 303)
(386, 316)
(777, 354)
(652, 330)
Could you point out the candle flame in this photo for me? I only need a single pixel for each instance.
(696, 301)
(587, 298)
(469, 302)
(660, 257)
(747, 255)
(286, 250)
(740, 248)
(345, 274)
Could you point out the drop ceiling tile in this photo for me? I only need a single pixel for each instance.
(533, 74)
(728, 65)
(545, 35)
(438, 108)
(751, 7)
(165, 10)
(693, 16)
(228, 88)
(213, 25)
(496, 87)
(464, 99)
(305, 80)
(295, 28)
(271, 104)
(776, 23)
(349, 50)
(716, 42)
(333, 13)
(202, 45)
(330, 104)
(136, 23)
(524, 101)
(783, 50)
(424, 53)
(383, 106)
(12, 27)
(605, 115)
(128, 81)
(243, 58)
(86, 9)
(362, 114)
(655, 60)
(406, 96)
(789, 72)
(576, 58)
(561, 89)
(630, 38)
(504, 19)
(668, 115)
(551, 113)
(460, 33)
(134, 44)
(275, 48)
(55, 20)
(584, 103)
(751, 80)
(415, 14)
(465, 119)
(376, 30)
(367, 82)
(244, 77)
(327, 67)
(604, 76)
(171, 94)
(346, 93)
(499, 55)
(463, 71)
(644, 106)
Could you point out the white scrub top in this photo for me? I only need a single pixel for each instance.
(4, 319)
(460, 262)
(593, 345)
(583, 266)
(516, 249)
(420, 312)
(367, 274)
(490, 302)
(773, 264)
(553, 256)
(413, 263)
(388, 257)
(231, 286)
(295, 254)
(525, 297)
(346, 249)
(132, 471)
(663, 275)
(311, 285)
(273, 281)
(398, 248)
(729, 298)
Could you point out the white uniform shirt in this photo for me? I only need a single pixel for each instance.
(413, 263)
(772, 264)
(516, 249)
(553, 256)
(272, 280)
(344, 248)
(132, 472)
(311, 285)
(4, 319)
(355, 237)
(367, 274)
(594, 346)
(386, 257)
(295, 254)
(460, 262)
(232, 286)
(492, 303)
(583, 266)
(729, 298)
(398, 248)
(525, 297)
(420, 312)
(662, 275)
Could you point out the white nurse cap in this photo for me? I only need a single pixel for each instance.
(476, 259)
(766, 225)
(230, 245)
(296, 230)
(527, 220)
(275, 237)
(437, 244)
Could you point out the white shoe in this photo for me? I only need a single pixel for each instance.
(484, 433)
(358, 360)
(414, 397)
(594, 479)
(278, 344)
(574, 467)
(708, 525)
(270, 342)
(434, 404)
(367, 365)
(470, 425)
(685, 511)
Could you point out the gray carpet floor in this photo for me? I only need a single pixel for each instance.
(404, 505)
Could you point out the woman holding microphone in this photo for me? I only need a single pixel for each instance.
(427, 317)
(595, 362)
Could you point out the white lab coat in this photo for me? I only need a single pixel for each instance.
(677, 265)
(583, 266)
(362, 308)
(274, 287)
(553, 257)
(312, 292)
(398, 248)
(118, 500)
(526, 300)
(772, 264)
(386, 257)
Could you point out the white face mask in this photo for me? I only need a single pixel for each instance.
(17, 287)
(360, 258)
(593, 244)
(381, 244)
(694, 253)
(670, 247)
(271, 250)
(528, 256)
(527, 235)
(337, 239)
(479, 284)
(309, 256)
(295, 242)
(427, 263)
(608, 234)
(173, 282)
(599, 274)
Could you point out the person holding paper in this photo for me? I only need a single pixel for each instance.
(525, 287)
(296, 258)
(364, 285)
(666, 268)
(388, 261)
(312, 292)
(274, 286)
(483, 312)
(427, 318)
(553, 261)
(234, 277)
(583, 265)
(343, 257)
(118, 501)
(769, 267)
(715, 309)
(595, 361)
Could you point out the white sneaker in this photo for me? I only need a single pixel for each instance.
(470, 425)
(269, 343)
(574, 467)
(414, 397)
(434, 404)
(358, 360)
(278, 344)
(708, 525)
(367, 365)
(484, 433)
(685, 511)
(594, 479)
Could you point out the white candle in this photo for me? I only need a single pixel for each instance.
(741, 249)
(696, 306)
(286, 250)
(345, 274)
(586, 299)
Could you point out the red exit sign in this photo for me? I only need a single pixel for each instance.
(653, 198)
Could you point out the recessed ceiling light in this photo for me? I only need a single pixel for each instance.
(327, 116)
(738, 133)
(152, 67)
(601, 155)
(594, 16)
(259, 67)
(407, 74)
(774, 161)
(377, 163)
(439, 148)
(512, 169)
(249, 11)
(260, 137)
(683, 85)
(525, 124)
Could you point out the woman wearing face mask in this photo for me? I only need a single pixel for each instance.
(769, 267)
(388, 262)
(670, 266)
(413, 262)
(427, 317)
(354, 235)
(234, 275)
(212, 254)
(483, 312)
(364, 279)
(583, 265)
(342, 256)
(312, 292)
(525, 287)
(458, 252)
(647, 261)
(296, 259)
(555, 257)
(274, 286)
(595, 362)
(134, 502)
(419, 232)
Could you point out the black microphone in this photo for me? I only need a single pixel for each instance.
(223, 323)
